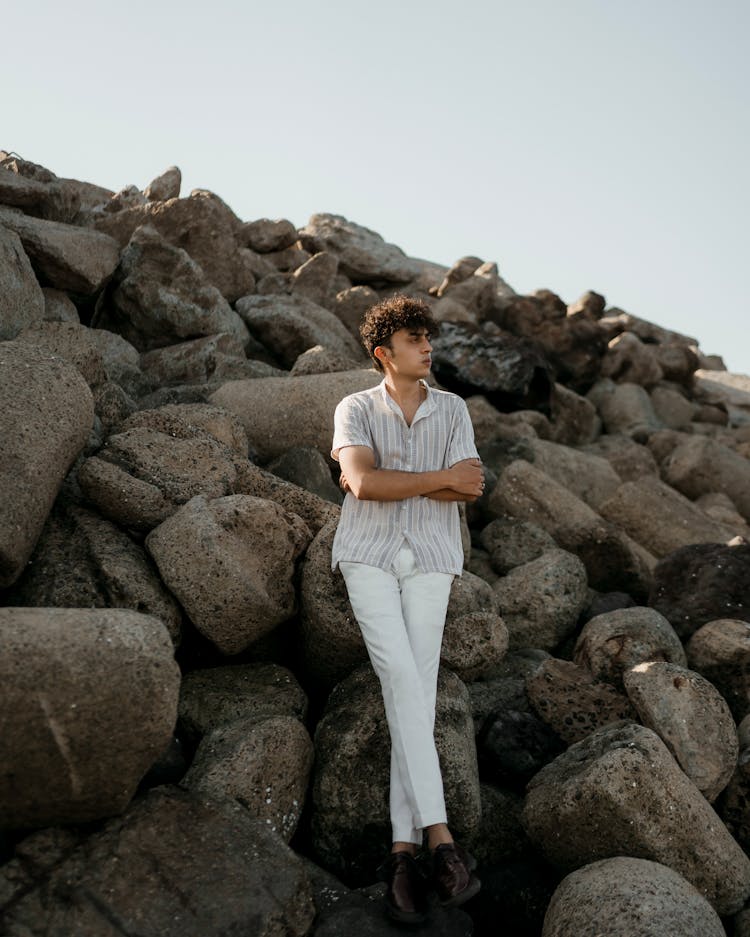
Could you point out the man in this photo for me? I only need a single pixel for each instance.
(407, 455)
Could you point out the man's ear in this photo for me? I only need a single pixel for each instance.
(380, 352)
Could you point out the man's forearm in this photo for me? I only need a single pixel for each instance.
(392, 485)
(448, 494)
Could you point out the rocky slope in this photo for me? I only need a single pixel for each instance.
(192, 739)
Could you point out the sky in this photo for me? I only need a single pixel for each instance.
(586, 144)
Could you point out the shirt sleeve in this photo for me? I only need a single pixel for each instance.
(461, 445)
(350, 427)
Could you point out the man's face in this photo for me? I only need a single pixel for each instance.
(409, 354)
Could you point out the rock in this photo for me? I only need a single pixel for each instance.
(139, 478)
(702, 582)
(320, 360)
(490, 425)
(514, 745)
(332, 641)
(214, 697)
(619, 792)
(474, 644)
(36, 191)
(230, 563)
(572, 702)
(659, 518)
(264, 764)
(602, 602)
(213, 358)
(720, 651)
(287, 260)
(589, 304)
(628, 458)
(314, 510)
(721, 508)
(90, 699)
(629, 359)
(192, 419)
(315, 279)
(84, 561)
(129, 197)
(161, 296)
(112, 405)
(690, 717)
(625, 408)
(351, 305)
(289, 325)
(21, 297)
(64, 256)
(165, 186)
(509, 371)
(502, 837)
(279, 413)
(121, 362)
(58, 307)
(512, 543)
(175, 865)
(39, 444)
(265, 235)
(700, 465)
(575, 421)
(71, 342)
(203, 226)
(308, 469)
(624, 896)
(721, 387)
(612, 560)
(574, 345)
(611, 643)
(672, 408)
(363, 255)
(350, 820)
(649, 333)
(590, 477)
(540, 601)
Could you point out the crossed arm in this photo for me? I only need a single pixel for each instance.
(463, 481)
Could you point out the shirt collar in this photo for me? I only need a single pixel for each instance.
(424, 409)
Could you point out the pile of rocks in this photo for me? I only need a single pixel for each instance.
(193, 741)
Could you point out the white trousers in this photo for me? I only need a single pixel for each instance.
(401, 613)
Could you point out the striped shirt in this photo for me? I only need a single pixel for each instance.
(440, 435)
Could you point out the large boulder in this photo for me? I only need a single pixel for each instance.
(660, 518)
(280, 412)
(289, 325)
(572, 701)
(307, 468)
(690, 717)
(613, 642)
(215, 358)
(85, 561)
(89, 698)
(701, 583)
(263, 763)
(21, 297)
(720, 651)
(474, 644)
(619, 792)
(140, 477)
(315, 511)
(700, 465)
(230, 562)
(509, 371)
(62, 255)
(613, 561)
(39, 444)
(202, 225)
(70, 341)
(175, 865)
(215, 696)
(160, 296)
(625, 408)
(629, 359)
(629, 897)
(363, 255)
(350, 820)
(629, 459)
(540, 602)
(589, 477)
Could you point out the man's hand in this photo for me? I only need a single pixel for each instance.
(344, 484)
(467, 478)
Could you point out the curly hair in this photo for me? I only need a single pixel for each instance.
(390, 315)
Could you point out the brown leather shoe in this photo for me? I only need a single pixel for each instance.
(452, 875)
(406, 896)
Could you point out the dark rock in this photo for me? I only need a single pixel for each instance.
(512, 746)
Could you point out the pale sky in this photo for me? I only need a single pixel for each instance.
(585, 144)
